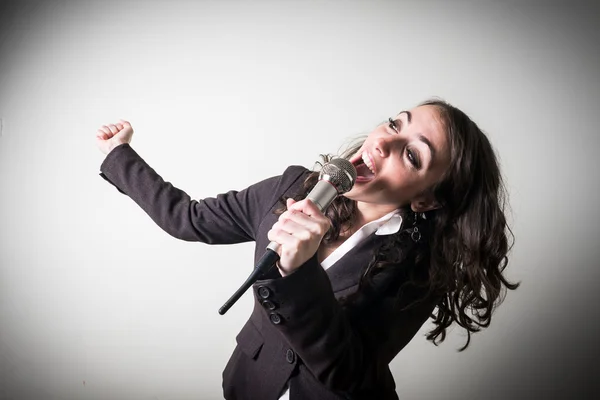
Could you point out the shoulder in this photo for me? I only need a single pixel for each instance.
(268, 191)
(296, 171)
(293, 177)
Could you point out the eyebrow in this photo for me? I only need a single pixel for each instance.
(422, 138)
(408, 115)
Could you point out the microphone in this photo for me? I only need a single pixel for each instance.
(336, 177)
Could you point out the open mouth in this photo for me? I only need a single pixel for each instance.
(363, 172)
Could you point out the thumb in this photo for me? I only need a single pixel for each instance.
(289, 202)
(125, 123)
(126, 131)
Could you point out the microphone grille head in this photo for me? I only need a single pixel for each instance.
(340, 173)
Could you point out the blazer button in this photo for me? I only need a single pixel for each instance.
(269, 305)
(275, 318)
(264, 292)
(290, 356)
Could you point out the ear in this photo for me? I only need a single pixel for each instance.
(424, 202)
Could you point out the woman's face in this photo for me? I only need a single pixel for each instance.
(402, 160)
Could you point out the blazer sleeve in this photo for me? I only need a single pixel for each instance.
(345, 350)
(232, 217)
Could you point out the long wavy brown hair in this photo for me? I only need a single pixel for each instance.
(463, 245)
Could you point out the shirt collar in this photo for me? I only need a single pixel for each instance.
(389, 223)
(386, 225)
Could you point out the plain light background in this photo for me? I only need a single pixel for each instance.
(97, 302)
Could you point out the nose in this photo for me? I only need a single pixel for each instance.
(381, 147)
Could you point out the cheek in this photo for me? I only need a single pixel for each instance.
(391, 188)
(400, 186)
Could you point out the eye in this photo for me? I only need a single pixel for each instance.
(413, 158)
(393, 124)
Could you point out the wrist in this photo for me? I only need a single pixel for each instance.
(113, 145)
(282, 271)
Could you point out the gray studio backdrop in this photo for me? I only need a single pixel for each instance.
(97, 302)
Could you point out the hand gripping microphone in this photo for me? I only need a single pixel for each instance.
(336, 177)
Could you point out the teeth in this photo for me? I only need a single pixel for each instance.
(368, 162)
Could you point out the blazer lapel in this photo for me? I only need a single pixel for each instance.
(346, 272)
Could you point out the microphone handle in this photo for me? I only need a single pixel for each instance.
(321, 195)
(264, 264)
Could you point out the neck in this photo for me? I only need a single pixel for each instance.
(367, 212)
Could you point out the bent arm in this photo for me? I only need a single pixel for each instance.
(346, 353)
(232, 217)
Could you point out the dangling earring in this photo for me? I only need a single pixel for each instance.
(415, 234)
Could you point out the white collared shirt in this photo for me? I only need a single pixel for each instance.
(386, 225)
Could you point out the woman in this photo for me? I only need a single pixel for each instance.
(422, 228)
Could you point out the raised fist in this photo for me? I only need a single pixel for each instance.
(110, 136)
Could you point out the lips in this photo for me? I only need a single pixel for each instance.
(363, 172)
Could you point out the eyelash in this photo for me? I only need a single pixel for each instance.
(412, 157)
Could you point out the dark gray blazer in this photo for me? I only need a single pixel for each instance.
(298, 332)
